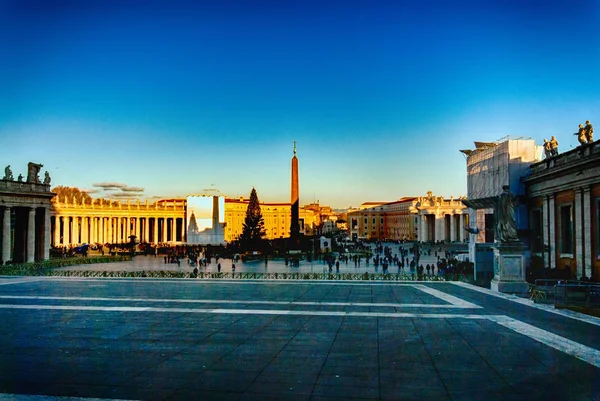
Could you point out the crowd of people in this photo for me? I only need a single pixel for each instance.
(429, 259)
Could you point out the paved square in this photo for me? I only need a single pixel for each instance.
(241, 340)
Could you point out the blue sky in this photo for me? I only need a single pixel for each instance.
(175, 97)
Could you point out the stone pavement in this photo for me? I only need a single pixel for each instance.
(242, 340)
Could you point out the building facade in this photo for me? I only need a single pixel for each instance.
(105, 221)
(25, 216)
(276, 216)
(426, 218)
(490, 166)
(440, 219)
(164, 221)
(564, 211)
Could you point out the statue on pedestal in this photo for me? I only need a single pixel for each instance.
(581, 135)
(47, 178)
(553, 146)
(20, 178)
(547, 151)
(504, 213)
(8, 175)
(589, 132)
(33, 170)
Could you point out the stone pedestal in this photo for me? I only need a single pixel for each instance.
(509, 269)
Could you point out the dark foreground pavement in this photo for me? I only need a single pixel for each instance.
(217, 340)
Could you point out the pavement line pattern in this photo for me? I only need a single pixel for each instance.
(579, 351)
(464, 304)
(210, 281)
(28, 397)
(524, 301)
(445, 297)
(247, 302)
(243, 311)
(22, 281)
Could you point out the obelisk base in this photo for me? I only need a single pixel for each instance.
(509, 269)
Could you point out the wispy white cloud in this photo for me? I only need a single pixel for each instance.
(125, 189)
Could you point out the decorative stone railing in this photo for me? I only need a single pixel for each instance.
(566, 159)
(117, 205)
(23, 187)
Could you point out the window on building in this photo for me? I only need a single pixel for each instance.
(374, 220)
(382, 220)
(566, 229)
(366, 221)
(535, 226)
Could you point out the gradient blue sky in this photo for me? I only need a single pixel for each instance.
(175, 97)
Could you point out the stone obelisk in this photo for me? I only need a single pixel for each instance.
(295, 201)
(215, 220)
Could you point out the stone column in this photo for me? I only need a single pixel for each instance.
(93, 230)
(95, 224)
(46, 233)
(173, 236)
(552, 231)
(6, 236)
(164, 236)
(155, 230)
(75, 234)
(67, 230)
(105, 224)
(587, 229)
(579, 235)
(31, 236)
(545, 232)
(439, 227)
(83, 230)
(111, 237)
(461, 227)
(56, 233)
(116, 233)
(146, 230)
(453, 227)
(119, 230)
(138, 230)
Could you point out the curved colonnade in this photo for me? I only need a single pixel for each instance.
(74, 224)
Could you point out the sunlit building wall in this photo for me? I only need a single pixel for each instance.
(276, 216)
(425, 218)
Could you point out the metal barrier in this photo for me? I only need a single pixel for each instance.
(577, 295)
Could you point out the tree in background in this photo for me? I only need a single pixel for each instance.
(77, 196)
(71, 194)
(253, 229)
